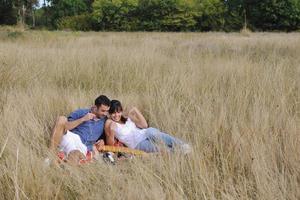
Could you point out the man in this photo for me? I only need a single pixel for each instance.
(77, 134)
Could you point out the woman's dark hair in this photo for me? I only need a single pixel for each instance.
(116, 106)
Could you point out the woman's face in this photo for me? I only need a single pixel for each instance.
(116, 116)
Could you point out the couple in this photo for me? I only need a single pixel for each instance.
(81, 131)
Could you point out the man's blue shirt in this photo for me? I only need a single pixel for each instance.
(89, 131)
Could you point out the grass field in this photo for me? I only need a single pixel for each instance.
(235, 97)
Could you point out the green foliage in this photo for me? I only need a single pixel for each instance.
(8, 14)
(40, 14)
(275, 15)
(210, 15)
(263, 15)
(149, 15)
(115, 14)
(14, 34)
(234, 14)
(64, 8)
(155, 15)
(166, 15)
(75, 23)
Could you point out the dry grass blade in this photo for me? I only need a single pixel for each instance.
(234, 97)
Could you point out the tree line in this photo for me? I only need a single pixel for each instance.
(153, 15)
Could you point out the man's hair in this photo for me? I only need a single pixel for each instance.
(102, 100)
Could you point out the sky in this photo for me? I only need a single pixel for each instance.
(41, 3)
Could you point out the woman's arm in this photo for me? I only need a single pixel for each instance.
(136, 116)
(109, 132)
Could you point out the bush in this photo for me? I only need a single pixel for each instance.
(119, 15)
(210, 15)
(78, 22)
(166, 15)
(14, 34)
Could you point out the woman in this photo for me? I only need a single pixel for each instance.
(135, 133)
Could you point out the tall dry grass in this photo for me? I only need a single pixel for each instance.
(234, 97)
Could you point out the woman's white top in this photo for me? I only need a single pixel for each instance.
(130, 134)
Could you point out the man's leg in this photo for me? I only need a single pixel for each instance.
(73, 147)
(58, 132)
(74, 157)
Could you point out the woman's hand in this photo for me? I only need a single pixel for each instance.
(136, 116)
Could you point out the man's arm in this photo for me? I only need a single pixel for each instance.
(73, 124)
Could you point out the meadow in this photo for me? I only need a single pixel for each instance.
(235, 97)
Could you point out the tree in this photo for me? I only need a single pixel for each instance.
(210, 15)
(25, 10)
(262, 15)
(181, 16)
(65, 8)
(115, 15)
(8, 14)
(13, 11)
(166, 15)
(235, 14)
(275, 15)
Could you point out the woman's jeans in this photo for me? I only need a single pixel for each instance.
(155, 137)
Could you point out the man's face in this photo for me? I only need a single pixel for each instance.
(101, 111)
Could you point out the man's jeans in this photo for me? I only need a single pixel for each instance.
(154, 137)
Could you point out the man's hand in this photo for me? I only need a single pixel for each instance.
(88, 116)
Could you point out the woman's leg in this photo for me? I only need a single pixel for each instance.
(156, 135)
(147, 146)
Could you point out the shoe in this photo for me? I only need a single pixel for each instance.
(108, 158)
(186, 149)
(47, 162)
